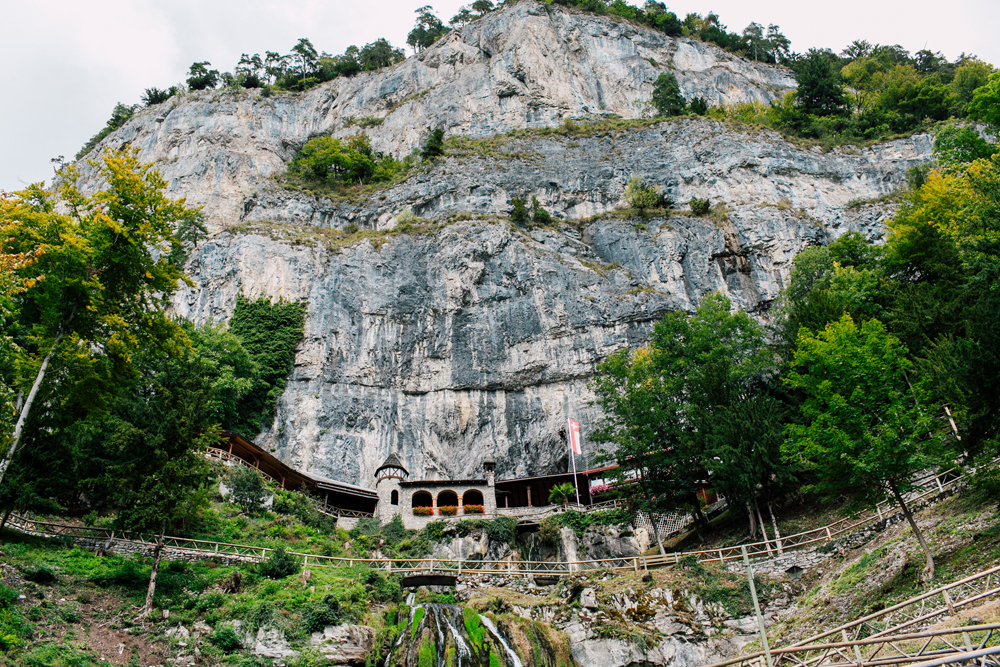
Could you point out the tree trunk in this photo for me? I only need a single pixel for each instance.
(656, 533)
(8, 458)
(6, 515)
(148, 609)
(760, 518)
(753, 524)
(929, 568)
(698, 516)
(774, 524)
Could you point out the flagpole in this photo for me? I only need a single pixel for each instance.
(572, 455)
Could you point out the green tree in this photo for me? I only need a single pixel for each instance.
(202, 78)
(667, 97)
(519, 211)
(956, 145)
(246, 489)
(427, 29)
(154, 472)
(985, 103)
(561, 494)
(864, 429)
(101, 282)
(663, 402)
(434, 146)
(482, 7)
(640, 196)
(819, 92)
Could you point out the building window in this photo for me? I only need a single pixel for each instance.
(472, 497)
(422, 499)
(394, 498)
(447, 499)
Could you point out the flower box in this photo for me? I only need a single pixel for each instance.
(473, 509)
(447, 510)
(423, 511)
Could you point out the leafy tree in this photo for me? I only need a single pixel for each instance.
(107, 278)
(427, 29)
(156, 96)
(463, 17)
(349, 161)
(973, 73)
(819, 91)
(538, 214)
(663, 403)
(247, 490)
(667, 97)
(250, 71)
(379, 54)
(985, 103)
(699, 106)
(641, 196)
(121, 114)
(700, 206)
(956, 145)
(865, 430)
(202, 78)
(482, 7)
(519, 213)
(561, 494)
(150, 451)
(434, 146)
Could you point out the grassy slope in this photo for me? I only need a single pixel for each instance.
(86, 609)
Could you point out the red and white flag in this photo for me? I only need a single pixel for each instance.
(574, 436)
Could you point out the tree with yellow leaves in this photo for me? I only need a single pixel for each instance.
(88, 288)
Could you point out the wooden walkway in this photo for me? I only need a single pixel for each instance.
(928, 488)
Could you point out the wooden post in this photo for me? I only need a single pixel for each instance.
(756, 607)
(947, 601)
(857, 649)
(529, 496)
(828, 535)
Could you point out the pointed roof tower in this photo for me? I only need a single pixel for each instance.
(392, 467)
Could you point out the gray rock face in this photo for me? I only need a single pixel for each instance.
(478, 339)
(529, 65)
(344, 644)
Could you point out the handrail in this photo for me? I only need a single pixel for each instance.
(720, 555)
(948, 605)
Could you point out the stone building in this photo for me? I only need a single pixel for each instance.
(420, 501)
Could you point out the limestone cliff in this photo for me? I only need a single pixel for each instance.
(476, 339)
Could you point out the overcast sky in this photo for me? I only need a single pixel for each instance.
(65, 63)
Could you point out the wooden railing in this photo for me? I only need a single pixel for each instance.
(933, 484)
(974, 644)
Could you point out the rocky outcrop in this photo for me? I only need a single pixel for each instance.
(528, 65)
(473, 338)
(344, 644)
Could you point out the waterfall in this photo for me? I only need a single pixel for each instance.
(448, 636)
(511, 653)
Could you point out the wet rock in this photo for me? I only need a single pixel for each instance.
(588, 598)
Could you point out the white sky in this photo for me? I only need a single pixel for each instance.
(65, 63)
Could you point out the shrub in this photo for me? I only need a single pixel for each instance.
(423, 511)
(640, 196)
(226, 639)
(538, 214)
(448, 510)
(699, 106)
(434, 146)
(474, 509)
(503, 529)
(279, 564)
(519, 212)
(394, 532)
(40, 575)
(246, 489)
(321, 614)
(700, 206)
